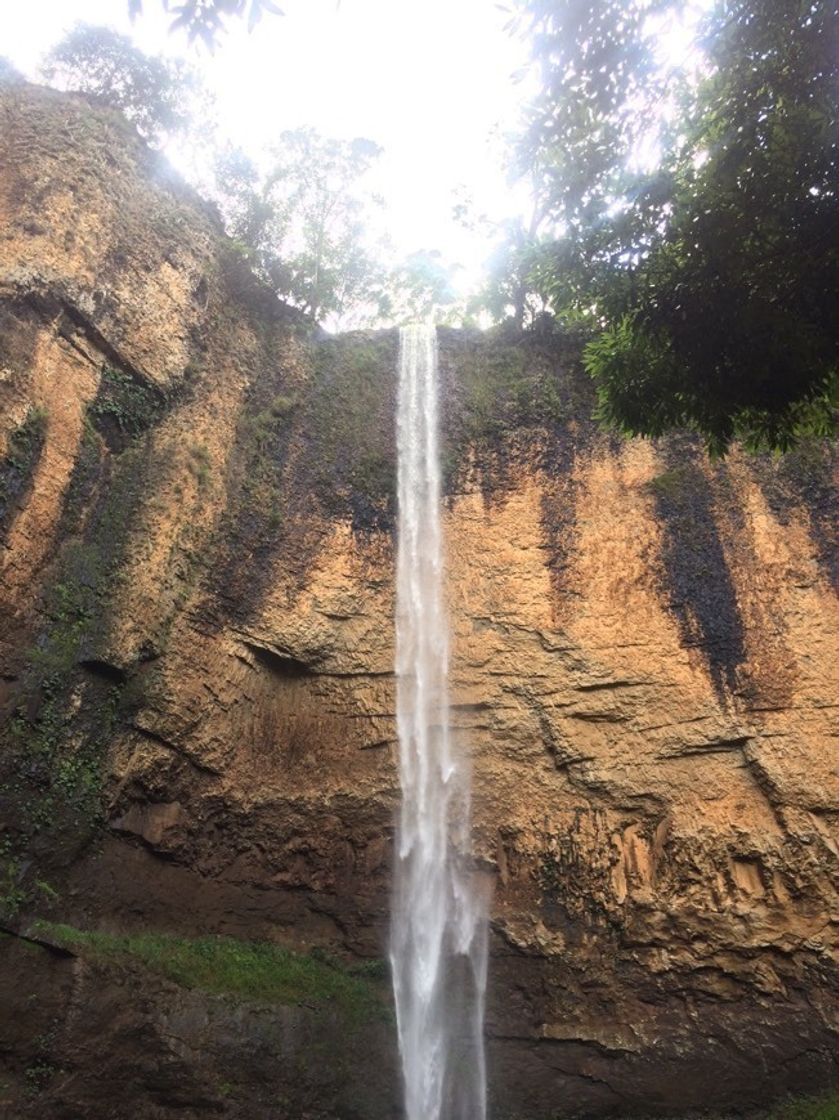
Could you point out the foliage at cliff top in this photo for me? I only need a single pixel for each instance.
(8, 73)
(204, 19)
(305, 223)
(686, 216)
(301, 223)
(709, 281)
(159, 95)
(301, 214)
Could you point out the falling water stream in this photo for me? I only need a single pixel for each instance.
(438, 936)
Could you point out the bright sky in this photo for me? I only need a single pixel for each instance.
(428, 80)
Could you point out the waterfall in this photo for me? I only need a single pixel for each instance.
(438, 936)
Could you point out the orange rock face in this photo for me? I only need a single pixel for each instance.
(197, 645)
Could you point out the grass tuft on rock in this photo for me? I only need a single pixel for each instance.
(247, 970)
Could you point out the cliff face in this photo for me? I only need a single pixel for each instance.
(196, 503)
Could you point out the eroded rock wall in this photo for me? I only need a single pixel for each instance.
(197, 509)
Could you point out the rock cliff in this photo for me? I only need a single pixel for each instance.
(197, 511)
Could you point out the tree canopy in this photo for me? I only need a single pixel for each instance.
(710, 280)
(205, 19)
(301, 213)
(302, 221)
(420, 287)
(159, 95)
(9, 73)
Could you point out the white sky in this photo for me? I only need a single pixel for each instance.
(428, 80)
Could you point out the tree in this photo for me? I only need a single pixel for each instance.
(510, 291)
(514, 290)
(597, 65)
(204, 19)
(420, 288)
(303, 224)
(715, 275)
(160, 96)
(9, 74)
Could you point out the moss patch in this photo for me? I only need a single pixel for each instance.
(12, 894)
(53, 746)
(825, 1106)
(673, 485)
(63, 778)
(350, 426)
(83, 481)
(124, 407)
(247, 970)
(505, 386)
(255, 522)
(496, 386)
(52, 749)
(307, 450)
(52, 779)
(77, 600)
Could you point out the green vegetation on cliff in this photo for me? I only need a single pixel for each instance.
(124, 403)
(822, 1107)
(247, 970)
(708, 276)
(500, 386)
(350, 418)
(69, 703)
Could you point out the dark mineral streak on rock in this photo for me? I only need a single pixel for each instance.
(807, 478)
(699, 585)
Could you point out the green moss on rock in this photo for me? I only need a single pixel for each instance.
(824, 1106)
(124, 407)
(350, 426)
(246, 970)
(497, 387)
